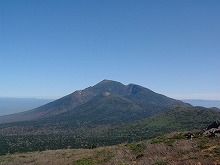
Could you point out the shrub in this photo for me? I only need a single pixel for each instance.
(216, 151)
(139, 156)
(161, 163)
(136, 147)
(86, 161)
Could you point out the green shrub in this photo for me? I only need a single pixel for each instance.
(139, 156)
(216, 151)
(86, 161)
(156, 141)
(136, 147)
(161, 163)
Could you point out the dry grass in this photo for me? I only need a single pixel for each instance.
(161, 151)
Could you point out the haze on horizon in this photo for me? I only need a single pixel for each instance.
(51, 48)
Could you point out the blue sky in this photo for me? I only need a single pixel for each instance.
(50, 48)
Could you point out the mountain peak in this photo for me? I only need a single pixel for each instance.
(106, 81)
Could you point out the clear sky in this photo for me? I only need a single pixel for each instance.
(50, 48)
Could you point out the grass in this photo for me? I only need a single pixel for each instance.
(85, 161)
(165, 150)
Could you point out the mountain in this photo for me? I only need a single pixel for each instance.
(107, 113)
(133, 101)
(204, 103)
(15, 105)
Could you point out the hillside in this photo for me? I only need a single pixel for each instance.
(172, 149)
(28, 136)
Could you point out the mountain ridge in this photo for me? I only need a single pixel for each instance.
(132, 92)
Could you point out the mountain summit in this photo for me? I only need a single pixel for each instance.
(124, 103)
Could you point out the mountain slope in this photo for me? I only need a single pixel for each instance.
(178, 119)
(149, 102)
(32, 136)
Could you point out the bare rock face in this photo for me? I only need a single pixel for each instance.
(213, 130)
(106, 94)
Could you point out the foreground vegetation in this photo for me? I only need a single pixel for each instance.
(100, 136)
(172, 149)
